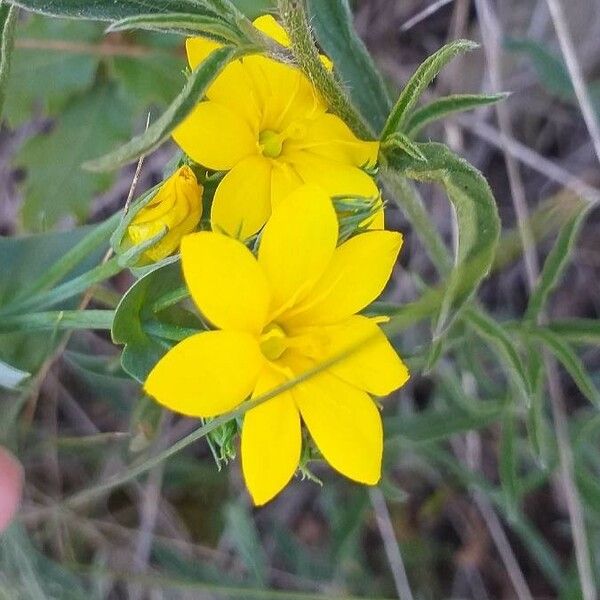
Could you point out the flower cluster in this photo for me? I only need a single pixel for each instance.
(277, 278)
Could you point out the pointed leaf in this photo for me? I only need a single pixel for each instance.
(209, 25)
(420, 80)
(402, 142)
(570, 361)
(101, 10)
(159, 131)
(501, 344)
(438, 109)
(555, 265)
(333, 27)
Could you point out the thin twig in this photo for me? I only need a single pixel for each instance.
(422, 15)
(491, 35)
(392, 550)
(530, 158)
(575, 72)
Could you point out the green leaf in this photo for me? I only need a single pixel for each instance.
(100, 10)
(550, 69)
(142, 349)
(399, 141)
(159, 131)
(8, 16)
(577, 331)
(44, 78)
(58, 320)
(10, 377)
(508, 462)
(570, 361)
(501, 344)
(435, 425)
(333, 27)
(243, 534)
(438, 109)
(55, 186)
(476, 215)
(555, 265)
(24, 260)
(183, 24)
(420, 80)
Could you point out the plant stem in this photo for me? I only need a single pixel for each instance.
(293, 15)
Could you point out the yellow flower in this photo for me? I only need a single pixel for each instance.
(176, 207)
(265, 123)
(277, 316)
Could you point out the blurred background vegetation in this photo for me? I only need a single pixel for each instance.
(469, 501)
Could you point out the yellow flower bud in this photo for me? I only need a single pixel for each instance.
(176, 207)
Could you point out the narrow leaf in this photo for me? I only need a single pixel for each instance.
(8, 16)
(570, 361)
(476, 215)
(501, 344)
(402, 142)
(159, 131)
(508, 463)
(183, 24)
(577, 331)
(555, 265)
(438, 109)
(333, 27)
(435, 425)
(420, 80)
(101, 10)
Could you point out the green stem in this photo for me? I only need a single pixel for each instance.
(60, 319)
(294, 18)
(409, 201)
(8, 20)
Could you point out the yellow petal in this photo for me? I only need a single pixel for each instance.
(242, 202)
(225, 281)
(297, 244)
(198, 49)
(271, 440)
(344, 423)
(176, 208)
(356, 275)
(283, 93)
(284, 180)
(329, 137)
(269, 26)
(206, 374)
(375, 367)
(336, 178)
(215, 136)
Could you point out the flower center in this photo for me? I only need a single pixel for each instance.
(271, 143)
(273, 342)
